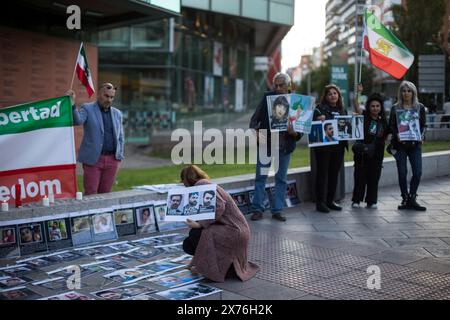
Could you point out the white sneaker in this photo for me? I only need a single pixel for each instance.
(355, 205)
(372, 206)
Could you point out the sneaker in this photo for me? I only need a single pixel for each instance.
(372, 206)
(355, 205)
(321, 207)
(256, 216)
(279, 217)
(334, 206)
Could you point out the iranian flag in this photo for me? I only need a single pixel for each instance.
(386, 51)
(37, 150)
(83, 71)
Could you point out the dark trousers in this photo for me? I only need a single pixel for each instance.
(414, 154)
(367, 175)
(329, 161)
(191, 242)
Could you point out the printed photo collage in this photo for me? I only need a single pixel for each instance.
(244, 197)
(330, 132)
(135, 263)
(83, 228)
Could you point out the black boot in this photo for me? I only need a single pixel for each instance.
(405, 202)
(413, 205)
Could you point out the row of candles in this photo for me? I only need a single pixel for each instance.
(45, 201)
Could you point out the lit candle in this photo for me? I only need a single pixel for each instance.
(51, 197)
(45, 201)
(79, 196)
(5, 206)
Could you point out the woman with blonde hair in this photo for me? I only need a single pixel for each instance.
(412, 150)
(219, 246)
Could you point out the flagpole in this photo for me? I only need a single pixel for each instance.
(75, 68)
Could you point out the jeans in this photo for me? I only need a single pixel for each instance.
(414, 154)
(278, 198)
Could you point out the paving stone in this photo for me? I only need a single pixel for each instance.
(439, 252)
(443, 294)
(395, 257)
(366, 294)
(428, 279)
(272, 292)
(377, 234)
(227, 295)
(315, 252)
(328, 289)
(431, 264)
(352, 261)
(339, 227)
(310, 297)
(427, 233)
(415, 243)
(403, 290)
(394, 271)
(334, 235)
(326, 270)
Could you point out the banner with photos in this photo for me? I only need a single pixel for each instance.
(408, 125)
(196, 203)
(294, 108)
(323, 133)
(350, 127)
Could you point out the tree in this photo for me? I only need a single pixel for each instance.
(416, 23)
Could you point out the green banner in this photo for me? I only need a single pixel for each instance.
(51, 113)
(339, 76)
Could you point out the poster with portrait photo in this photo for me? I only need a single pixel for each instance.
(121, 246)
(32, 238)
(18, 293)
(145, 220)
(189, 292)
(143, 253)
(408, 125)
(72, 295)
(122, 293)
(266, 201)
(103, 227)
(16, 270)
(241, 200)
(63, 256)
(196, 203)
(128, 276)
(56, 284)
(124, 220)
(81, 230)
(161, 223)
(294, 108)
(323, 134)
(177, 279)
(35, 262)
(12, 281)
(292, 198)
(9, 244)
(58, 234)
(160, 266)
(100, 266)
(350, 128)
(68, 271)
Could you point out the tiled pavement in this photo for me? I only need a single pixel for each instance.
(326, 256)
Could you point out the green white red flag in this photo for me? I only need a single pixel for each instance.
(386, 51)
(37, 150)
(83, 71)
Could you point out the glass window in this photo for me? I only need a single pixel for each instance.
(289, 2)
(281, 13)
(256, 9)
(229, 6)
(119, 37)
(172, 5)
(150, 35)
(200, 4)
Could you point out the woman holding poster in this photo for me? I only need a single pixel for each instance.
(219, 246)
(329, 158)
(407, 122)
(368, 165)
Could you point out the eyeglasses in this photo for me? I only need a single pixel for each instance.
(108, 86)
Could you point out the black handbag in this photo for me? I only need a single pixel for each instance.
(364, 149)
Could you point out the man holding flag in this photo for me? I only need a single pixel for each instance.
(103, 141)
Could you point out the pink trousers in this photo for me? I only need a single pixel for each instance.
(100, 177)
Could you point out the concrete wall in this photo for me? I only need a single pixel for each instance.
(436, 164)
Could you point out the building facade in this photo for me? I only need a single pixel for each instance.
(172, 71)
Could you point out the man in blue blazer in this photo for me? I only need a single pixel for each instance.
(103, 141)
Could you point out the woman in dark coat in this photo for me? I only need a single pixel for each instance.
(219, 245)
(368, 166)
(329, 159)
